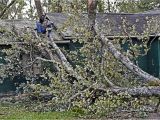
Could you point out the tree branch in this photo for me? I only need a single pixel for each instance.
(42, 59)
(126, 61)
(134, 92)
(64, 60)
(6, 8)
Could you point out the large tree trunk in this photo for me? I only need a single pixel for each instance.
(39, 7)
(64, 61)
(109, 6)
(135, 92)
(92, 5)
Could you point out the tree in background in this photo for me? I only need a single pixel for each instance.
(3, 3)
(6, 7)
(132, 6)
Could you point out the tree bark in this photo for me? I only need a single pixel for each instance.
(39, 7)
(109, 6)
(135, 92)
(64, 60)
(92, 4)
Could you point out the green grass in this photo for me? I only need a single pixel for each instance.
(10, 112)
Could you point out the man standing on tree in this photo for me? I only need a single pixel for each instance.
(44, 26)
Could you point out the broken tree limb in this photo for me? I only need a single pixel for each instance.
(52, 58)
(68, 66)
(61, 56)
(135, 92)
(64, 60)
(131, 92)
(42, 59)
(126, 61)
(110, 83)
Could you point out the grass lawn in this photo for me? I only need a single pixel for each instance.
(10, 112)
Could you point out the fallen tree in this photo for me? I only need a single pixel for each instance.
(82, 86)
(125, 60)
(133, 92)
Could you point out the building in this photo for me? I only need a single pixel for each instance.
(133, 27)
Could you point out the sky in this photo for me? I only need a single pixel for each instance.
(71, 0)
(27, 1)
(104, 0)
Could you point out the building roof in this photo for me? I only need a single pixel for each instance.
(68, 26)
(21, 27)
(112, 24)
